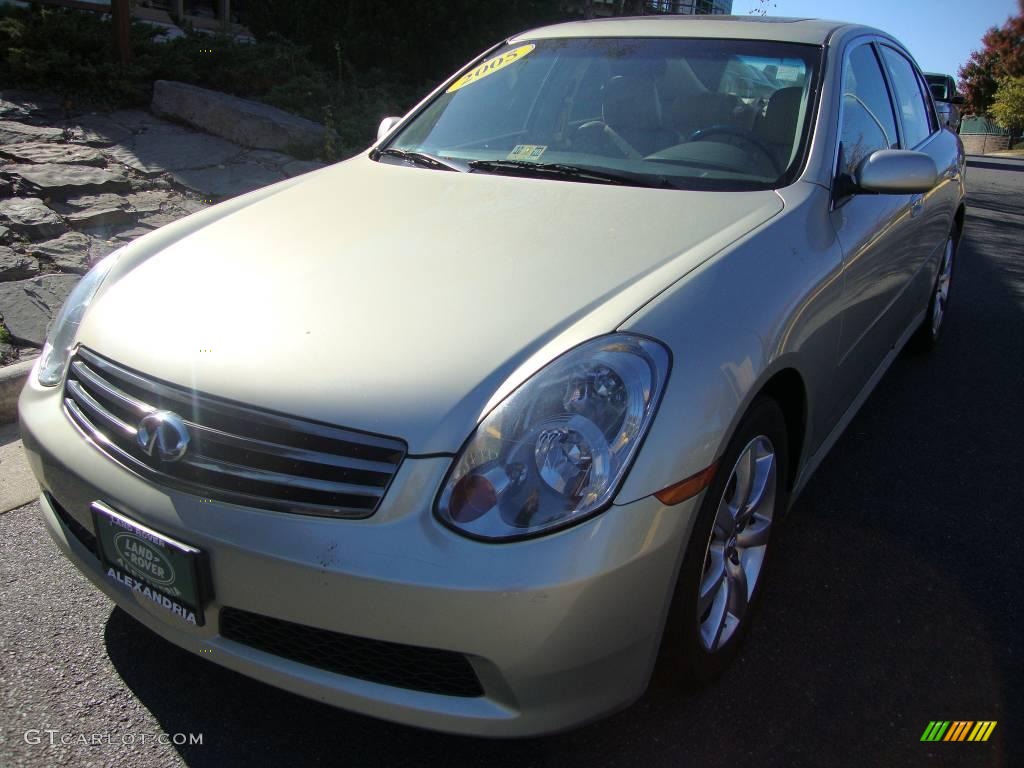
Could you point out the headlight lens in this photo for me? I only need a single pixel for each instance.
(61, 336)
(555, 451)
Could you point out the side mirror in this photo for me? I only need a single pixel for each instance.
(958, 100)
(386, 126)
(896, 172)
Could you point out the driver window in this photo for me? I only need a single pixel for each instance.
(868, 122)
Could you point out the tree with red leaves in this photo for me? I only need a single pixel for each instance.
(1001, 56)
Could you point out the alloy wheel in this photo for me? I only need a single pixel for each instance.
(941, 296)
(739, 541)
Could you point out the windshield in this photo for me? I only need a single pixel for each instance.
(938, 85)
(684, 113)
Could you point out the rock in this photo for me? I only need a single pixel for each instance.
(268, 157)
(98, 131)
(31, 217)
(16, 266)
(99, 216)
(12, 132)
(81, 202)
(128, 235)
(4, 231)
(71, 252)
(28, 306)
(244, 122)
(62, 180)
(158, 220)
(32, 103)
(11, 111)
(51, 152)
(135, 120)
(104, 210)
(299, 167)
(157, 151)
(228, 181)
(149, 201)
(169, 32)
(187, 205)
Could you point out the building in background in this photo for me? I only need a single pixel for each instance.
(690, 6)
(632, 7)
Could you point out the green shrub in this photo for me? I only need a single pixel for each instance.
(1008, 105)
(412, 40)
(68, 52)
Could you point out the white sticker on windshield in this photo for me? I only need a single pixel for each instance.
(528, 152)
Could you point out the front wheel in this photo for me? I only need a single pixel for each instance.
(723, 568)
(927, 335)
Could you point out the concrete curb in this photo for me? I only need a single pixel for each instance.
(12, 379)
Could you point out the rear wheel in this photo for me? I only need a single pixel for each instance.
(723, 568)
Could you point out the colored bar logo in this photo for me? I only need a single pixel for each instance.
(958, 730)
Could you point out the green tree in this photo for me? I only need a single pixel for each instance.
(1001, 56)
(1008, 105)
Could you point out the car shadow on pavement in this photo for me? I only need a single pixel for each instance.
(1013, 165)
(998, 204)
(245, 722)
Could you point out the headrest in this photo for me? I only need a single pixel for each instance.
(631, 102)
(778, 126)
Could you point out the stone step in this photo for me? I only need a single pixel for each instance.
(245, 122)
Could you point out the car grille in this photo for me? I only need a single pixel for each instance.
(235, 453)
(403, 666)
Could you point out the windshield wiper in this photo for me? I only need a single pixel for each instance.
(418, 158)
(562, 171)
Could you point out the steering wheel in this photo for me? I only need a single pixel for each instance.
(611, 137)
(742, 134)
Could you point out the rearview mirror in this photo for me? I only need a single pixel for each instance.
(896, 172)
(386, 126)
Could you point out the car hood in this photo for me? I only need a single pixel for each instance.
(400, 300)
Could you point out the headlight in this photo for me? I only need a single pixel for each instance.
(61, 336)
(555, 451)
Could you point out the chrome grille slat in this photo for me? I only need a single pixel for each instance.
(277, 478)
(236, 453)
(100, 438)
(106, 388)
(81, 397)
(185, 401)
(287, 451)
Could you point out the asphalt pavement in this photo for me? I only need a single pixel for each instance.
(893, 600)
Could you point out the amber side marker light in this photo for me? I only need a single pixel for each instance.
(688, 488)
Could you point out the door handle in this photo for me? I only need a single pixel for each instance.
(916, 206)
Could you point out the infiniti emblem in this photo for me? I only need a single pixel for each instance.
(163, 433)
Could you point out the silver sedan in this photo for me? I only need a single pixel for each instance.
(462, 431)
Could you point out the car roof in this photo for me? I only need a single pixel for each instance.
(808, 31)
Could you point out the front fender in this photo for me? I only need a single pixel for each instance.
(769, 303)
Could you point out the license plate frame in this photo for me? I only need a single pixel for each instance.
(169, 573)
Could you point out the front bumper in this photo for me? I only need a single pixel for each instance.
(559, 630)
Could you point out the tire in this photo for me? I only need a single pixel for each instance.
(698, 645)
(926, 338)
